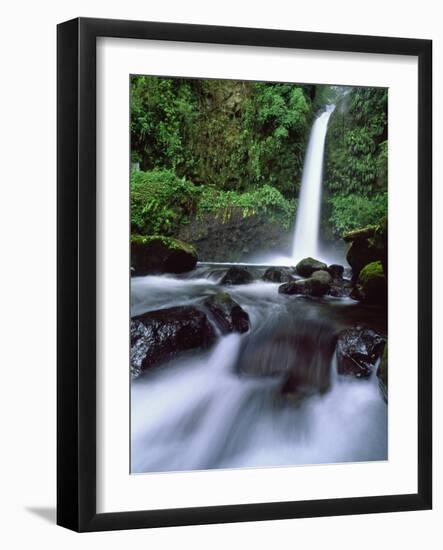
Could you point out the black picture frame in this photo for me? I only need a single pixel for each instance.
(76, 265)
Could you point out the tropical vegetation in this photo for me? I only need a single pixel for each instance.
(204, 148)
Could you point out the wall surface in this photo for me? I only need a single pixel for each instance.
(27, 218)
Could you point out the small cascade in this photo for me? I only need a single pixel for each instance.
(267, 397)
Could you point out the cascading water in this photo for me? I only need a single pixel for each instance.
(307, 222)
(206, 410)
(268, 397)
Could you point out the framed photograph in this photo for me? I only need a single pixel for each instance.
(244, 253)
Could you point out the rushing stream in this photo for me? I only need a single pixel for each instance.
(197, 412)
(231, 405)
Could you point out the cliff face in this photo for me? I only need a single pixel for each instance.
(236, 238)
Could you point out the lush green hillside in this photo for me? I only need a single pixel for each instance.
(356, 171)
(207, 148)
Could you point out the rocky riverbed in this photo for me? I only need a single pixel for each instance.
(235, 365)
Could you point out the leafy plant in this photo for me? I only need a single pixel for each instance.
(350, 212)
(356, 143)
(231, 134)
(160, 201)
(222, 145)
(266, 200)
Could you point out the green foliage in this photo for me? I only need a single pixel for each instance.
(348, 212)
(356, 143)
(222, 145)
(325, 95)
(160, 108)
(382, 165)
(231, 134)
(265, 200)
(356, 168)
(161, 202)
(278, 118)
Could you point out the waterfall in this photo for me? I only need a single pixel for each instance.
(307, 222)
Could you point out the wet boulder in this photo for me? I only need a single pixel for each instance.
(236, 276)
(297, 353)
(367, 245)
(340, 288)
(158, 336)
(227, 313)
(322, 276)
(155, 254)
(356, 293)
(277, 275)
(307, 266)
(358, 350)
(336, 271)
(372, 283)
(227, 233)
(306, 287)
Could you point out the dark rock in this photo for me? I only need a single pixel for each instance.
(360, 234)
(158, 336)
(341, 288)
(356, 293)
(298, 353)
(367, 245)
(358, 350)
(154, 254)
(336, 271)
(360, 253)
(307, 266)
(228, 314)
(322, 276)
(373, 286)
(236, 276)
(382, 373)
(277, 275)
(289, 288)
(229, 234)
(306, 287)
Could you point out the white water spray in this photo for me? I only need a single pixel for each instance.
(307, 222)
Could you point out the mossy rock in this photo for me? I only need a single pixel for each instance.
(169, 242)
(307, 266)
(367, 245)
(277, 275)
(322, 276)
(157, 254)
(359, 234)
(373, 283)
(306, 287)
